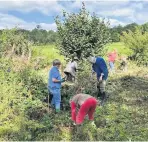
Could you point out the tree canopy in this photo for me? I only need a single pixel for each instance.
(81, 34)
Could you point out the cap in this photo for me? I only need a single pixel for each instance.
(92, 59)
(75, 58)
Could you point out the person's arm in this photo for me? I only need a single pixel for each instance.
(101, 77)
(108, 55)
(55, 78)
(58, 81)
(75, 66)
(103, 67)
(93, 69)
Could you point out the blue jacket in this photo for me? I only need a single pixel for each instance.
(100, 67)
(54, 73)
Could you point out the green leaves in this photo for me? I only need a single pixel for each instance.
(81, 34)
(138, 43)
(14, 43)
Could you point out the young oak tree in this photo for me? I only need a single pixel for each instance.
(81, 34)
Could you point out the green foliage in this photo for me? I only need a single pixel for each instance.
(123, 117)
(144, 27)
(81, 34)
(14, 43)
(116, 32)
(42, 37)
(37, 36)
(130, 27)
(25, 117)
(138, 43)
(42, 56)
(19, 107)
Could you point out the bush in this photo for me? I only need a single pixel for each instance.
(138, 43)
(14, 43)
(20, 108)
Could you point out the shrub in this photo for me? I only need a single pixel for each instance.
(138, 43)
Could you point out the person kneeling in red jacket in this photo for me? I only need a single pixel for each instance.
(81, 105)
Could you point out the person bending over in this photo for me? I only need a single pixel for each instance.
(81, 105)
(100, 68)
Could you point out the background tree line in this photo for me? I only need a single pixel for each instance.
(117, 31)
(40, 36)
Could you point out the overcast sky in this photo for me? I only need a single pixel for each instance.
(29, 13)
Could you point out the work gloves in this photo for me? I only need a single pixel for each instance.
(63, 80)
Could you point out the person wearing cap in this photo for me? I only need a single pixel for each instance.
(54, 84)
(71, 69)
(100, 68)
(81, 105)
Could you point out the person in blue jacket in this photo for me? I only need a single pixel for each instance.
(100, 68)
(54, 84)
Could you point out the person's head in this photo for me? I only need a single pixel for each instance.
(92, 59)
(57, 63)
(75, 59)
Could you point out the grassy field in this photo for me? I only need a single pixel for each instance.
(24, 115)
(49, 52)
(122, 118)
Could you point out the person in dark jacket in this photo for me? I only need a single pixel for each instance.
(100, 68)
(81, 105)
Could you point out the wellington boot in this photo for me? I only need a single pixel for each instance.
(104, 97)
(57, 110)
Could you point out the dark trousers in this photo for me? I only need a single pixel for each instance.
(50, 97)
(101, 89)
(69, 77)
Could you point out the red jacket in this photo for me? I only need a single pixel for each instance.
(81, 105)
(112, 56)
